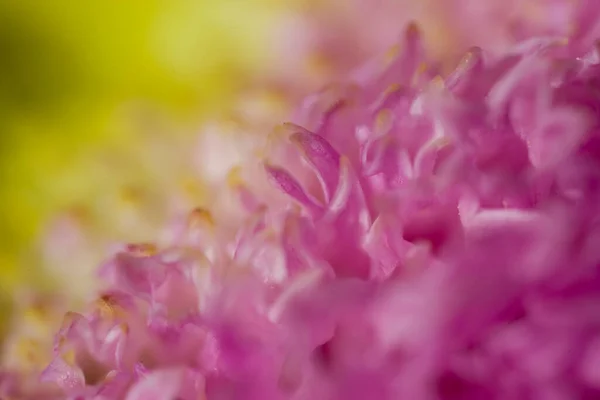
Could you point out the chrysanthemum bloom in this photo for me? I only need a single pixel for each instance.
(158, 183)
(145, 184)
(326, 36)
(437, 238)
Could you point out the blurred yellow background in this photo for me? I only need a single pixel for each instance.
(71, 70)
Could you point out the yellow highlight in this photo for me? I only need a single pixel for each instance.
(200, 218)
(234, 177)
(383, 121)
(140, 250)
(70, 357)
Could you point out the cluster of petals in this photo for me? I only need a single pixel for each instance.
(169, 172)
(424, 237)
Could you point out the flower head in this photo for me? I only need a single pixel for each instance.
(422, 237)
(144, 185)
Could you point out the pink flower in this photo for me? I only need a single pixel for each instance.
(146, 186)
(437, 238)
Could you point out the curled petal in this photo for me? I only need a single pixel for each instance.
(323, 158)
(284, 181)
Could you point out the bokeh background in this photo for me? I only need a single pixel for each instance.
(73, 73)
